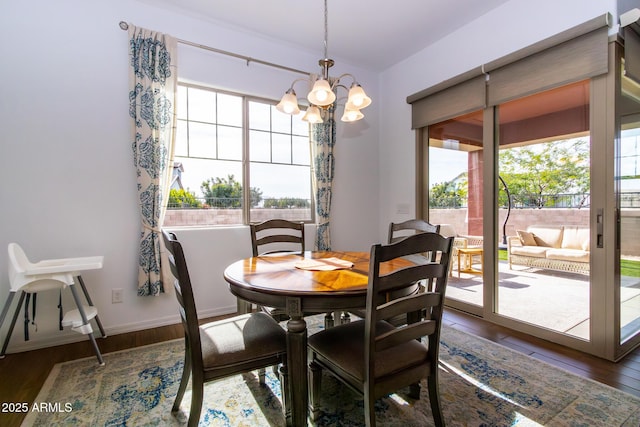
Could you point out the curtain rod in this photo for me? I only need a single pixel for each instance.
(125, 26)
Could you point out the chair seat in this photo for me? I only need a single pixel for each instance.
(240, 339)
(344, 346)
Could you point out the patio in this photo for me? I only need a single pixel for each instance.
(550, 299)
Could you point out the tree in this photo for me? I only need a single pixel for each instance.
(286, 203)
(450, 194)
(183, 199)
(227, 193)
(533, 173)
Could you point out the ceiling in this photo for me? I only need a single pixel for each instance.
(372, 34)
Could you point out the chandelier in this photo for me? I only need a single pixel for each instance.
(323, 93)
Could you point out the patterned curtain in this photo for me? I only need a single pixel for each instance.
(323, 138)
(152, 87)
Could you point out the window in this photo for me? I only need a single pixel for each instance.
(237, 159)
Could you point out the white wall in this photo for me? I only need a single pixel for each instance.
(508, 28)
(67, 179)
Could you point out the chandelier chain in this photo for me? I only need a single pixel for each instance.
(326, 29)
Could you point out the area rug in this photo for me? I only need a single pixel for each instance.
(481, 383)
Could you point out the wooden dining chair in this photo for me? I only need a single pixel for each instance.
(270, 237)
(276, 235)
(223, 348)
(374, 357)
(400, 230)
(397, 232)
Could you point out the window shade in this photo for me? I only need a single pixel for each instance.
(577, 59)
(578, 53)
(462, 98)
(632, 52)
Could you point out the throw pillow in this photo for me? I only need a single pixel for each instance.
(526, 238)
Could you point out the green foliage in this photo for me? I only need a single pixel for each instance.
(183, 199)
(630, 268)
(286, 203)
(533, 173)
(451, 194)
(227, 193)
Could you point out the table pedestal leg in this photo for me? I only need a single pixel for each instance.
(297, 365)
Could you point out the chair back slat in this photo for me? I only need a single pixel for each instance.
(407, 304)
(399, 231)
(266, 234)
(406, 276)
(409, 332)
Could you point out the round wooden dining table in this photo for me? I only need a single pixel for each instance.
(311, 282)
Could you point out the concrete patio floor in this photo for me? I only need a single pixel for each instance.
(555, 300)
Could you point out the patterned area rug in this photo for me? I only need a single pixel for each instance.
(482, 384)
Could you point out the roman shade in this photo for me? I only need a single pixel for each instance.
(632, 51)
(460, 95)
(573, 55)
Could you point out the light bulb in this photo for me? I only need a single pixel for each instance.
(357, 99)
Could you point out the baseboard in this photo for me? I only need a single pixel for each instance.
(68, 337)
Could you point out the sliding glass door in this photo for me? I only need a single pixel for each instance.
(455, 202)
(532, 162)
(628, 191)
(544, 210)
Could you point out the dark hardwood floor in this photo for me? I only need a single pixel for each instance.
(23, 374)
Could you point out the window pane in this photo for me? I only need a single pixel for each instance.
(544, 167)
(181, 103)
(259, 116)
(202, 105)
(202, 140)
(181, 148)
(211, 145)
(300, 127)
(285, 189)
(260, 145)
(301, 148)
(280, 122)
(229, 143)
(456, 201)
(281, 148)
(212, 206)
(229, 110)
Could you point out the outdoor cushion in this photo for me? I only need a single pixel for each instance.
(568, 255)
(549, 236)
(530, 251)
(526, 238)
(576, 238)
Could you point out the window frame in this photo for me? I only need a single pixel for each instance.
(245, 160)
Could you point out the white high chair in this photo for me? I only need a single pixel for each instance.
(28, 278)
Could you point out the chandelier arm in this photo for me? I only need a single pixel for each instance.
(301, 79)
(337, 80)
(335, 87)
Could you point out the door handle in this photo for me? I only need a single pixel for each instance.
(600, 228)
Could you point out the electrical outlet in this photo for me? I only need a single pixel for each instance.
(116, 296)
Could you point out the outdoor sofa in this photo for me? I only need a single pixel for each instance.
(562, 248)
